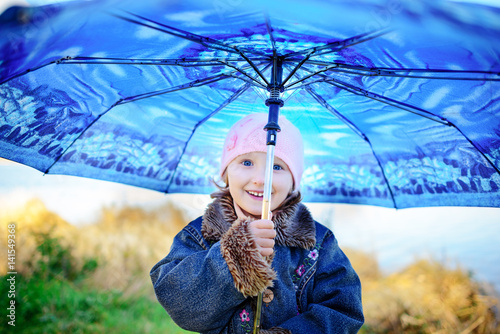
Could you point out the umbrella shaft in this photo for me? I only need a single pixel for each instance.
(258, 313)
(266, 214)
(268, 182)
(274, 103)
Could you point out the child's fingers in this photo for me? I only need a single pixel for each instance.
(265, 233)
(263, 224)
(265, 242)
(262, 229)
(264, 246)
(266, 251)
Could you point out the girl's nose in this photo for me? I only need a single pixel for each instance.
(258, 176)
(258, 179)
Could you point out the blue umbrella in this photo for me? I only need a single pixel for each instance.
(398, 101)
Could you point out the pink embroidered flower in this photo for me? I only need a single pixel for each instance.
(301, 270)
(244, 316)
(313, 255)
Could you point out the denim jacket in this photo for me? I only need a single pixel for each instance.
(209, 281)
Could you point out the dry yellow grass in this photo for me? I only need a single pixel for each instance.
(127, 242)
(31, 219)
(426, 297)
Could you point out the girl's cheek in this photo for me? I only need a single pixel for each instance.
(237, 170)
(284, 179)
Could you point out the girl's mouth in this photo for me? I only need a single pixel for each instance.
(256, 194)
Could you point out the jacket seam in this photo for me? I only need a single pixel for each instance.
(308, 277)
(198, 237)
(310, 273)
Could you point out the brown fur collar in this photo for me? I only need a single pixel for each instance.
(294, 224)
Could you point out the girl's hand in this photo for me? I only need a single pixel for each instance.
(263, 233)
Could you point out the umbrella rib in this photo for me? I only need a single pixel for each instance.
(353, 127)
(260, 86)
(332, 110)
(257, 91)
(477, 148)
(395, 72)
(359, 91)
(223, 105)
(78, 137)
(294, 70)
(246, 80)
(124, 61)
(318, 98)
(196, 83)
(339, 45)
(294, 90)
(394, 103)
(198, 39)
(364, 68)
(28, 71)
(219, 108)
(395, 75)
(160, 62)
(400, 105)
(206, 41)
(186, 62)
(441, 120)
(244, 73)
(310, 75)
(249, 61)
(270, 32)
(192, 84)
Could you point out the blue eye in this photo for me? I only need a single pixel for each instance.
(277, 167)
(247, 163)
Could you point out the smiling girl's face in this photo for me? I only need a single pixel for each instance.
(245, 176)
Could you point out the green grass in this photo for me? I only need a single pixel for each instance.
(53, 297)
(60, 306)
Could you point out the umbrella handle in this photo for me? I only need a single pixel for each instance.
(274, 103)
(266, 214)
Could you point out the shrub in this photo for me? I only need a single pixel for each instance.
(56, 261)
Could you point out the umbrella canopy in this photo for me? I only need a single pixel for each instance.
(398, 101)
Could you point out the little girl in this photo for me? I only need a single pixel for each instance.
(219, 263)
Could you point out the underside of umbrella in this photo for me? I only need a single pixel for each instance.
(398, 103)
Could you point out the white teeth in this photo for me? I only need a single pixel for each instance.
(256, 194)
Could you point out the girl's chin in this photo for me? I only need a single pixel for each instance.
(254, 212)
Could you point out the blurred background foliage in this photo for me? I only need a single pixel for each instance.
(94, 278)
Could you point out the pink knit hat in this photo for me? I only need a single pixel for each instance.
(248, 135)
